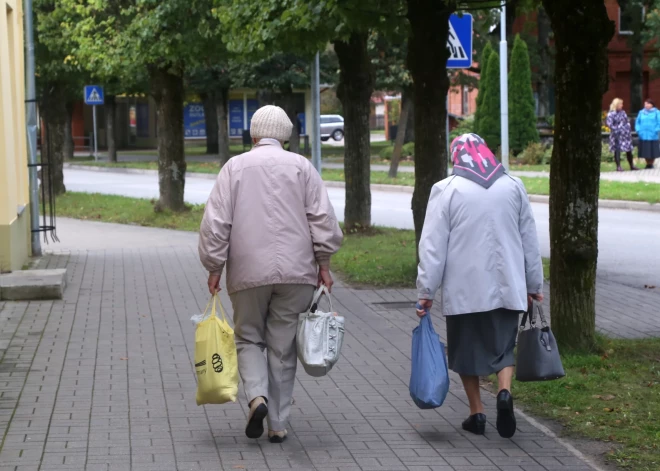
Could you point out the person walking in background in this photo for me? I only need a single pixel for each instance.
(479, 244)
(647, 126)
(270, 220)
(620, 134)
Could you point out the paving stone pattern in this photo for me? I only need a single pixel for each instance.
(103, 380)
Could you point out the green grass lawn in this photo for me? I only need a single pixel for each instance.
(612, 396)
(604, 167)
(123, 210)
(609, 190)
(382, 258)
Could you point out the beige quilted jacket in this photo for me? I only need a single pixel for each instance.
(269, 219)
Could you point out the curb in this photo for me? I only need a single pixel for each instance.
(543, 199)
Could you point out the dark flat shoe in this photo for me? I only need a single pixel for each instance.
(255, 426)
(506, 419)
(277, 438)
(475, 424)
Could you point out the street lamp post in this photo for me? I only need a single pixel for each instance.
(504, 90)
(316, 114)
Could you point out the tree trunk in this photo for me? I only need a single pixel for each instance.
(427, 59)
(400, 135)
(582, 32)
(222, 113)
(69, 146)
(54, 114)
(410, 127)
(288, 101)
(636, 57)
(211, 121)
(167, 90)
(356, 81)
(110, 128)
(542, 85)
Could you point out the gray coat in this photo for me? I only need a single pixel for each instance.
(480, 246)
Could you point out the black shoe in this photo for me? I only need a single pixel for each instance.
(475, 424)
(506, 419)
(255, 425)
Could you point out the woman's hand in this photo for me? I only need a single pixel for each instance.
(426, 305)
(325, 278)
(214, 284)
(534, 297)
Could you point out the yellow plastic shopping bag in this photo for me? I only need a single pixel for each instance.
(215, 359)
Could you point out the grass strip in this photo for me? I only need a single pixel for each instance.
(612, 395)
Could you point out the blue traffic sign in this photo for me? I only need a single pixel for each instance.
(93, 95)
(459, 42)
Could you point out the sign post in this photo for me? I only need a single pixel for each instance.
(93, 95)
(459, 44)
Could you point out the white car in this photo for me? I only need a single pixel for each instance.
(332, 126)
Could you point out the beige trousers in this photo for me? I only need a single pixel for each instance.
(266, 318)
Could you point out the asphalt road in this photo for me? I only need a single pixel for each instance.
(629, 241)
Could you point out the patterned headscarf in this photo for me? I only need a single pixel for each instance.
(473, 160)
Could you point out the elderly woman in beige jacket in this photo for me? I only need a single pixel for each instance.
(269, 219)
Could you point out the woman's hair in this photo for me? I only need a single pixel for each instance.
(650, 102)
(615, 103)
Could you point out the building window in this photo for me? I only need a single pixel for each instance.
(626, 21)
(466, 101)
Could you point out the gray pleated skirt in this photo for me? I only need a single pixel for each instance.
(482, 343)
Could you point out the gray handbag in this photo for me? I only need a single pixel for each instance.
(538, 357)
(320, 337)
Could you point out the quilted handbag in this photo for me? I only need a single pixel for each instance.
(538, 357)
(320, 337)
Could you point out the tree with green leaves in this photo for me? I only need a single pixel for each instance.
(483, 64)
(304, 27)
(490, 123)
(388, 57)
(212, 83)
(278, 76)
(163, 39)
(522, 115)
(60, 82)
(582, 31)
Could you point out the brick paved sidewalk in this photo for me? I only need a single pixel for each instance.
(103, 380)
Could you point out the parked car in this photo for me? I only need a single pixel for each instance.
(332, 126)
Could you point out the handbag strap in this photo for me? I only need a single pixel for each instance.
(323, 290)
(531, 315)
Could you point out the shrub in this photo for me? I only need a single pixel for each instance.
(606, 155)
(386, 152)
(522, 116)
(464, 127)
(489, 121)
(483, 63)
(408, 149)
(534, 154)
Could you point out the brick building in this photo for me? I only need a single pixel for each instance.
(619, 58)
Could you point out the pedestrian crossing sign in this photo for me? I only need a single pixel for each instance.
(459, 41)
(93, 95)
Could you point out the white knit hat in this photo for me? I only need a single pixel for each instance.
(271, 122)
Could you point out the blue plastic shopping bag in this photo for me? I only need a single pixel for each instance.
(429, 379)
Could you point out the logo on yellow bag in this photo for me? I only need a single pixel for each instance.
(217, 363)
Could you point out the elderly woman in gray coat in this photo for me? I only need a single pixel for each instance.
(479, 243)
